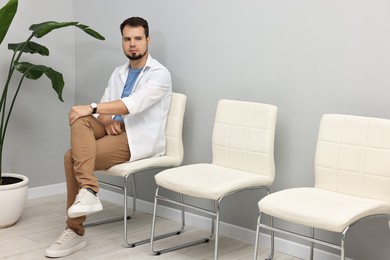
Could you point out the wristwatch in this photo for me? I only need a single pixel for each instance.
(94, 108)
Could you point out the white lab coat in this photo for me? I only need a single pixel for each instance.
(148, 107)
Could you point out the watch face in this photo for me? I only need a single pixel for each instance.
(94, 108)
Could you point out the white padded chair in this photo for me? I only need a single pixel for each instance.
(352, 182)
(173, 157)
(243, 158)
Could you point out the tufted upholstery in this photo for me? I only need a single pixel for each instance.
(353, 156)
(352, 178)
(243, 137)
(243, 149)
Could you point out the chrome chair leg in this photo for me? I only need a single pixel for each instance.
(342, 245)
(257, 237)
(213, 219)
(124, 191)
(134, 194)
(178, 232)
(311, 243)
(271, 221)
(126, 216)
(153, 222)
(272, 249)
(388, 220)
(217, 214)
(153, 238)
(271, 255)
(141, 242)
(144, 241)
(272, 252)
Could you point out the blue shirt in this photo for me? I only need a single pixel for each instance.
(129, 85)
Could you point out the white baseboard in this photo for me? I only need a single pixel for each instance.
(281, 245)
(46, 191)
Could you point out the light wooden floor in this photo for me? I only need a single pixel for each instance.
(43, 221)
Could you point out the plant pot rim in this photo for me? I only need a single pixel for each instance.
(14, 185)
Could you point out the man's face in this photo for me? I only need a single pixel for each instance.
(134, 42)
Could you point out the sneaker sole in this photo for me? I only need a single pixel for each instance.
(65, 252)
(78, 211)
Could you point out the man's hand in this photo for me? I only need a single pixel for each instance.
(113, 127)
(79, 111)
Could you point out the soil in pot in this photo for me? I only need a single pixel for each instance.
(10, 180)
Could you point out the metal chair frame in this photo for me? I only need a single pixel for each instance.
(126, 216)
(310, 238)
(215, 220)
(178, 158)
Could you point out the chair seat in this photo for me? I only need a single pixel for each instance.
(126, 168)
(209, 180)
(319, 208)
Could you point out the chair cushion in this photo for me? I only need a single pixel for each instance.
(132, 167)
(319, 208)
(208, 180)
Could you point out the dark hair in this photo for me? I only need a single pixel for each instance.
(136, 22)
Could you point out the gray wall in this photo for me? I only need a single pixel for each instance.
(307, 57)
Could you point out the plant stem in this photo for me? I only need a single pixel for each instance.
(12, 103)
(3, 103)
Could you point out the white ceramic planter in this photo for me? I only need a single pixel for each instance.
(12, 200)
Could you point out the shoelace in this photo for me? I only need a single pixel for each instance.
(64, 236)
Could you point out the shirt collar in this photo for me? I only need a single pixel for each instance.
(123, 70)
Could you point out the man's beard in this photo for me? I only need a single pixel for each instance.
(136, 57)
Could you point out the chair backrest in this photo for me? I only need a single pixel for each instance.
(174, 127)
(243, 136)
(353, 156)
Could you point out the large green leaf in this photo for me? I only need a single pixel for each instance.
(41, 29)
(30, 70)
(44, 28)
(57, 81)
(33, 71)
(89, 31)
(29, 47)
(7, 13)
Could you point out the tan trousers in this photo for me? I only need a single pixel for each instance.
(91, 150)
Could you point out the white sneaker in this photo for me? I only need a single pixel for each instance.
(68, 243)
(86, 203)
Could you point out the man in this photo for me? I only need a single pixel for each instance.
(128, 124)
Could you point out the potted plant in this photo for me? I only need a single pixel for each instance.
(13, 187)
